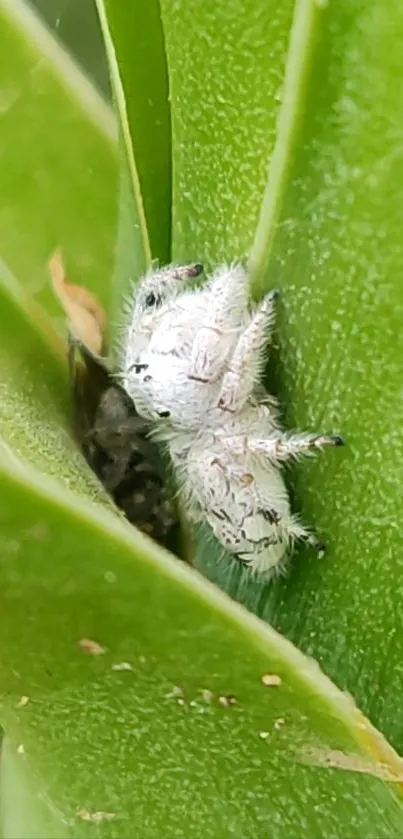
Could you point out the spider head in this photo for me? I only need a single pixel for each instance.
(159, 286)
(156, 289)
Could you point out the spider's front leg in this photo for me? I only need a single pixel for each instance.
(278, 446)
(220, 323)
(245, 366)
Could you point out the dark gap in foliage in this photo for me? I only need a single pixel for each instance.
(114, 442)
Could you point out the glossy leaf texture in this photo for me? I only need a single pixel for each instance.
(133, 700)
(58, 166)
(329, 237)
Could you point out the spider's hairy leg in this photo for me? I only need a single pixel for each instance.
(245, 502)
(246, 505)
(279, 446)
(220, 322)
(184, 272)
(298, 532)
(247, 360)
(261, 560)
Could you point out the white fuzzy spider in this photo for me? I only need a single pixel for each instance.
(192, 361)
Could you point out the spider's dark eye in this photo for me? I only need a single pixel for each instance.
(151, 299)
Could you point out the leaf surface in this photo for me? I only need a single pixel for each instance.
(136, 31)
(35, 414)
(58, 167)
(105, 738)
(326, 230)
(171, 723)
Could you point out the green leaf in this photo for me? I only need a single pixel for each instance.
(77, 26)
(136, 31)
(58, 162)
(23, 812)
(170, 728)
(133, 252)
(339, 254)
(226, 63)
(35, 415)
(131, 732)
(329, 235)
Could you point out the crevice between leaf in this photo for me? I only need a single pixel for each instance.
(124, 126)
(307, 14)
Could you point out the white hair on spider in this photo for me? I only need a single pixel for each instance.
(192, 361)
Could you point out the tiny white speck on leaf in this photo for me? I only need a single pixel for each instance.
(271, 680)
(227, 701)
(175, 693)
(122, 665)
(207, 695)
(97, 816)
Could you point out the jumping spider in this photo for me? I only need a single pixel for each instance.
(192, 361)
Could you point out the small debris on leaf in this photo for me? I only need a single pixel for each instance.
(271, 680)
(207, 695)
(123, 665)
(86, 315)
(227, 701)
(264, 735)
(91, 647)
(23, 701)
(174, 693)
(278, 723)
(20, 749)
(97, 816)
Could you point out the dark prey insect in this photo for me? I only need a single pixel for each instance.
(113, 439)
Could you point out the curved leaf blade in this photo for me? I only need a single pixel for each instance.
(175, 632)
(35, 424)
(136, 31)
(334, 240)
(133, 253)
(58, 165)
(22, 813)
(338, 254)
